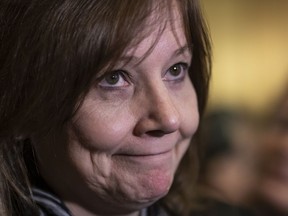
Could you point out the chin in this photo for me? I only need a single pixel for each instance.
(147, 191)
(155, 186)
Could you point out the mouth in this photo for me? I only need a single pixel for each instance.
(147, 157)
(144, 154)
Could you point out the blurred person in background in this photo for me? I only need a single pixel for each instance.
(272, 194)
(229, 159)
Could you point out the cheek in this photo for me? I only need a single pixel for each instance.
(190, 122)
(189, 113)
(101, 129)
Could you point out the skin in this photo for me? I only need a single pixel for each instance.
(274, 187)
(130, 133)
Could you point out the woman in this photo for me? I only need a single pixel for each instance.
(99, 102)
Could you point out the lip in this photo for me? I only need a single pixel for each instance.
(152, 157)
(149, 147)
(145, 154)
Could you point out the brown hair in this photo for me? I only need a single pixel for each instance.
(50, 52)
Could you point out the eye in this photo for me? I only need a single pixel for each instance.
(114, 79)
(177, 72)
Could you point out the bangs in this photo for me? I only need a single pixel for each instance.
(92, 35)
(113, 28)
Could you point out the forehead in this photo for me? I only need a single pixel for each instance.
(164, 34)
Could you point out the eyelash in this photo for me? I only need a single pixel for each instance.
(125, 77)
(122, 75)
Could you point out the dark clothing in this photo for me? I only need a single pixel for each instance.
(48, 203)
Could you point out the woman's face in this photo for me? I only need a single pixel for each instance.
(131, 131)
(275, 180)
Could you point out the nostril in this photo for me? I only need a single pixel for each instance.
(156, 133)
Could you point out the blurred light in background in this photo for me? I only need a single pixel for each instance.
(250, 51)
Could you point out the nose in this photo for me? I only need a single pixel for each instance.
(160, 114)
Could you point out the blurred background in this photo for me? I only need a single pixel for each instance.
(244, 148)
(250, 46)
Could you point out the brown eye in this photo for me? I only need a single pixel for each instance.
(176, 72)
(114, 79)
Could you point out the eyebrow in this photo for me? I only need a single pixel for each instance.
(180, 51)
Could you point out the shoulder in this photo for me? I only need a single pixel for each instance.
(48, 203)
